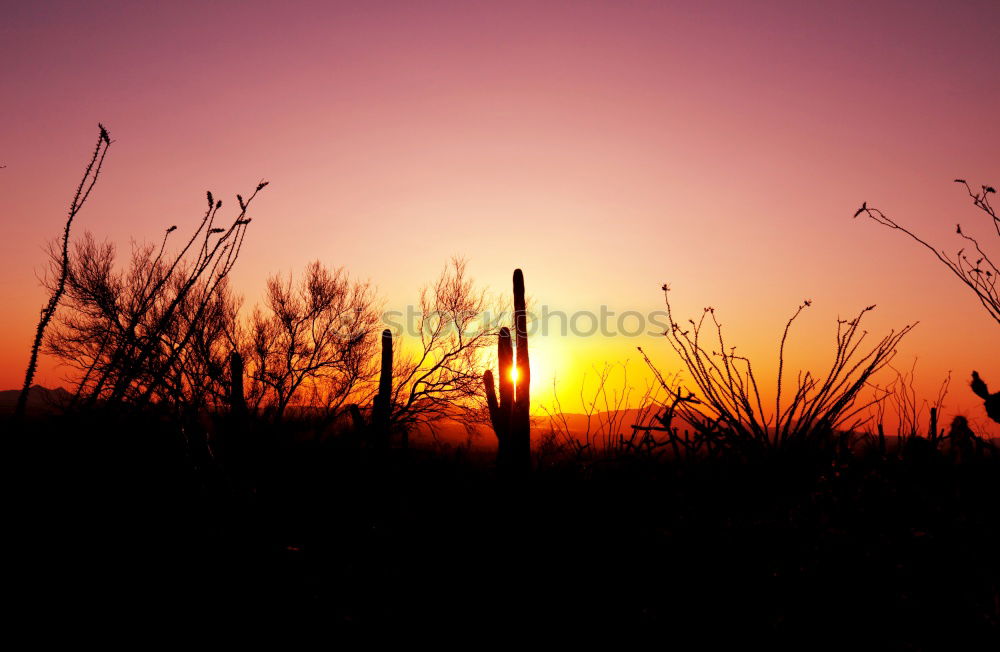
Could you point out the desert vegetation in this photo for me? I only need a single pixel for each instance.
(264, 459)
(973, 264)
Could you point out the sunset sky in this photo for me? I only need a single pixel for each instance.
(603, 147)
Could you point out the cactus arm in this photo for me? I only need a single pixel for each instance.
(500, 410)
(491, 402)
(990, 401)
(979, 386)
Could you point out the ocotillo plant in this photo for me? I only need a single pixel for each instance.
(510, 415)
(382, 408)
(49, 310)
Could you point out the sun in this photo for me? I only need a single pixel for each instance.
(541, 369)
(542, 375)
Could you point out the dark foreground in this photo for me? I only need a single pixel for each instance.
(121, 519)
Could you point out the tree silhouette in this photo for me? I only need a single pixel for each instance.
(314, 342)
(440, 377)
(160, 329)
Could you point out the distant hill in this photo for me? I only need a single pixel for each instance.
(578, 423)
(40, 399)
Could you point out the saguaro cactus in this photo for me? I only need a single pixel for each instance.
(510, 415)
(237, 399)
(241, 457)
(991, 401)
(376, 431)
(502, 410)
(382, 407)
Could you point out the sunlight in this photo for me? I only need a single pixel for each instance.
(541, 375)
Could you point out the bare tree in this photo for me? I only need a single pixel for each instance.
(978, 273)
(314, 342)
(58, 285)
(152, 331)
(199, 378)
(441, 378)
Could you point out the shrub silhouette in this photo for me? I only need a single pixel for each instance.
(725, 407)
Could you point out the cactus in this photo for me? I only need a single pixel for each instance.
(240, 443)
(237, 399)
(382, 406)
(510, 416)
(502, 410)
(990, 401)
(376, 431)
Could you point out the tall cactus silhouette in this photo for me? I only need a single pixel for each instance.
(240, 444)
(376, 431)
(382, 407)
(237, 399)
(510, 415)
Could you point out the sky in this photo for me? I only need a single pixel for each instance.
(603, 147)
